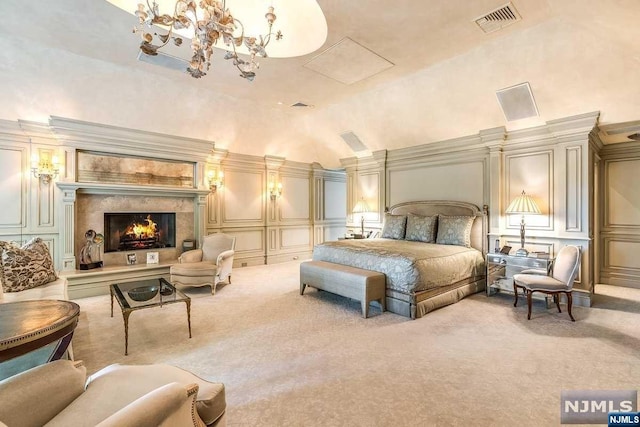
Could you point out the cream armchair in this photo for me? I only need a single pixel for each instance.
(209, 265)
(56, 394)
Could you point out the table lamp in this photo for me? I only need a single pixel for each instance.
(523, 205)
(361, 208)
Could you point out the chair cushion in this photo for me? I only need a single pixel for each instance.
(536, 282)
(116, 386)
(194, 269)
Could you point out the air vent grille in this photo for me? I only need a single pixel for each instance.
(301, 105)
(499, 18)
(164, 60)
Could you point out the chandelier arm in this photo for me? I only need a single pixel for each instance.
(170, 30)
(241, 32)
(267, 37)
(195, 14)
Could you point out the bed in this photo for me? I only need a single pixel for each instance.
(420, 277)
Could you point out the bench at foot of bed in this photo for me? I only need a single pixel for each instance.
(350, 282)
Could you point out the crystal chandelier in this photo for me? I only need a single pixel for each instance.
(209, 22)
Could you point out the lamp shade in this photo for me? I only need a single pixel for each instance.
(523, 204)
(361, 207)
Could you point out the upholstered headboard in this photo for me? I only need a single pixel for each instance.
(446, 207)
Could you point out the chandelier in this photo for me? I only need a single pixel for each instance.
(208, 23)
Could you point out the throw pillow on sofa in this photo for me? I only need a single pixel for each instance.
(25, 267)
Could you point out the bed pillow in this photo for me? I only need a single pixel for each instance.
(394, 226)
(25, 267)
(421, 228)
(455, 230)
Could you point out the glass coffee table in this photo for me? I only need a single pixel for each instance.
(145, 294)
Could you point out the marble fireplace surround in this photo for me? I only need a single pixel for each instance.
(82, 208)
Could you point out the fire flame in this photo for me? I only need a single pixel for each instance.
(143, 231)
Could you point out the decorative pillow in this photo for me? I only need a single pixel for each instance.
(27, 267)
(421, 228)
(394, 226)
(455, 230)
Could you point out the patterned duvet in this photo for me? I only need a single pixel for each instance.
(409, 266)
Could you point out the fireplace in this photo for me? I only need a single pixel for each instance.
(140, 230)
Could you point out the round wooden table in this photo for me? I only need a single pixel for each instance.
(35, 332)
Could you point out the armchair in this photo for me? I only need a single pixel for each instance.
(209, 265)
(565, 270)
(55, 394)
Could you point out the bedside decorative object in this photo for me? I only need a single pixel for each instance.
(523, 205)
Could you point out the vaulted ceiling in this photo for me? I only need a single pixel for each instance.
(427, 73)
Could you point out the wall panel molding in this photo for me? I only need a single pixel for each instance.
(573, 189)
(533, 172)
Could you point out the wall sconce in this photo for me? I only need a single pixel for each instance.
(45, 169)
(215, 180)
(275, 191)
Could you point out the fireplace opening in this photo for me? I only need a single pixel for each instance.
(133, 231)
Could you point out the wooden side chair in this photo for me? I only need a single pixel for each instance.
(560, 281)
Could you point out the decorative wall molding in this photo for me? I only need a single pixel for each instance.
(573, 189)
(620, 214)
(552, 158)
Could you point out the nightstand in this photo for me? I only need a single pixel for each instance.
(501, 268)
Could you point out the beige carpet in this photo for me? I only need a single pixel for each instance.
(312, 360)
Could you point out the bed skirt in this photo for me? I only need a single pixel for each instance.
(421, 303)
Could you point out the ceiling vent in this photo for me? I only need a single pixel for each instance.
(353, 141)
(498, 18)
(517, 102)
(164, 60)
(301, 105)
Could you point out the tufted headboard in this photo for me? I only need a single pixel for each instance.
(445, 207)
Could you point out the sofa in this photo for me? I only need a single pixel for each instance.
(52, 290)
(59, 394)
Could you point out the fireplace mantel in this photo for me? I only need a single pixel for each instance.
(67, 212)
(129, 190)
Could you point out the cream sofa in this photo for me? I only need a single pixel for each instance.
(56, 394)
(52, 290)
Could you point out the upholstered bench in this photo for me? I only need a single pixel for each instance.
(346, 281)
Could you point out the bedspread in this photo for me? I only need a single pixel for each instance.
(409, 266)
